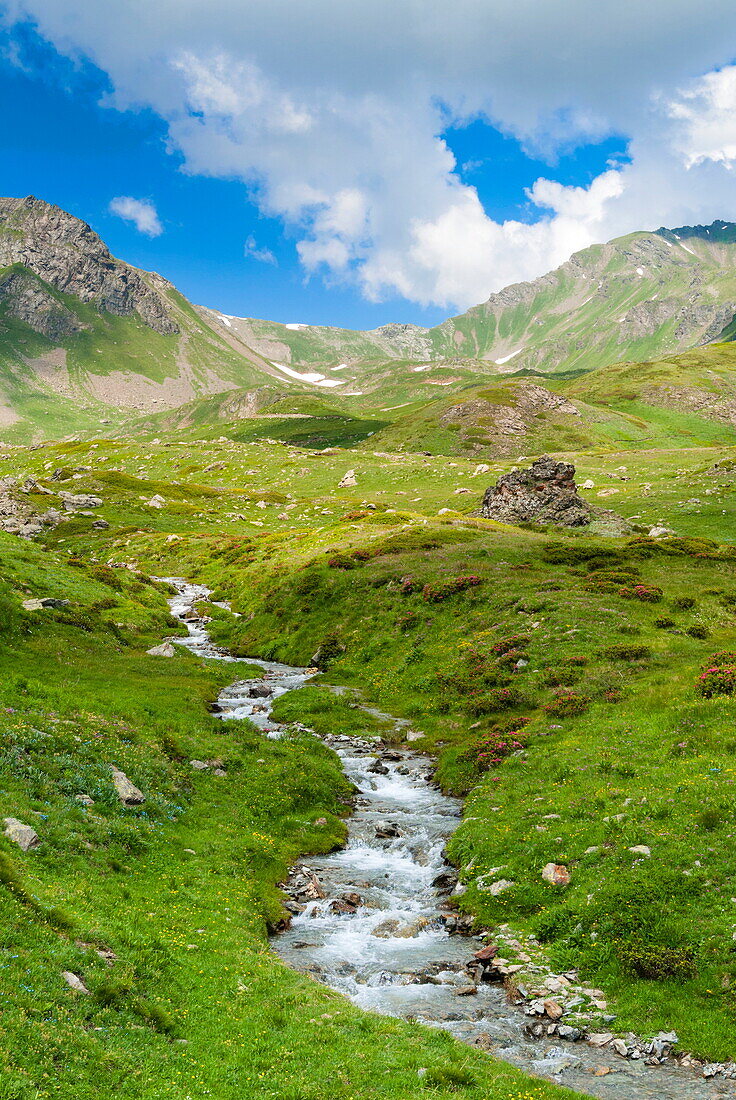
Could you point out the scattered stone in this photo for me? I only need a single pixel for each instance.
(199, 765)
(387, 829)
(620, 1047)
(22, 835)
(127, 792)
(84, 799)
(660, 532)
(553, 1009)
(45, 603)
(498, 887)
(600, 1038)
(166, 649)
(348, 480)
(73, 502)
(156, 501)
(641, 850)
(74, 982)
(466, 991)
(556, 874)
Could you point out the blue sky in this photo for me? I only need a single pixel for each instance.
(328, 143)
(60, 144)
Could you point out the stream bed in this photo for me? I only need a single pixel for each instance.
(371, 920)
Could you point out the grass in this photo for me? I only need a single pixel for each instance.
(182, 888)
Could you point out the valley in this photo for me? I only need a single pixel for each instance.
(568, 691)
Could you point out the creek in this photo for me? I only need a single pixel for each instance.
(388, 947)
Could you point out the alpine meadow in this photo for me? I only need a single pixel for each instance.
(368, 694)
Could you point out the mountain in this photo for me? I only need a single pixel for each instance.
(637, 297)
(86, 339)
(85, 336)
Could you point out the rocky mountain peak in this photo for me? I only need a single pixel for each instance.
(68, 255)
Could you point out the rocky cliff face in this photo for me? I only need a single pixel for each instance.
(69, 256)
(27, 299)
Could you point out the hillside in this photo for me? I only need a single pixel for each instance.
(85, 337)
(638, 296)
(87, 340)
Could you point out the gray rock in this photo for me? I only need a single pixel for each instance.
(22, 835)
(166, 649)
(543, 493)
(199, 765)
(74, 982)
(44, 603)
(127, 792)
(73, 502)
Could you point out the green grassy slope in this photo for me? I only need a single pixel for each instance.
(178, 889)
(637, 297)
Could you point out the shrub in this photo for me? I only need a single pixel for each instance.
(442, 590)
(647, 593)
(567, 704)
(627, 652)
(698, 631)
(717, 679)
(664, 623)
(657, 961)
(515, 642)
(498, 744)
(408, 585)
(342, 561)
(502, 698)
(684, 603)
(561, 677)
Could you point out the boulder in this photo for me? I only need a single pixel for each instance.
(73, 502)
(22, 835)
(348, 480)
(156, 501)
(166, 649)
(543, 493)
(44, 603)
(556, 874)
(127, 792)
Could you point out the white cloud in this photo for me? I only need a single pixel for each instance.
(141, 212)
(331, 115)
(706, 114)
(264, 255)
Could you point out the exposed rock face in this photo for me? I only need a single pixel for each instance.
(67, 254)
(504, 424)
(544, 493)
(28, 300)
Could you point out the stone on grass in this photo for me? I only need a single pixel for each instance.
(348, 480)
(22, 835)
(44, 603)
(556, 874)
(84, 799)
(127, 792)
(166, 649)
(199, 765)
(543, 493)
(498, 887)
(74, 982)
(641, 850)
(156, 501)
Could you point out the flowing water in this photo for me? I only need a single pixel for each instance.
(372, 923)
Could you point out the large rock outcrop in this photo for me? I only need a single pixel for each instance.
(69, 256)
(543, 493)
